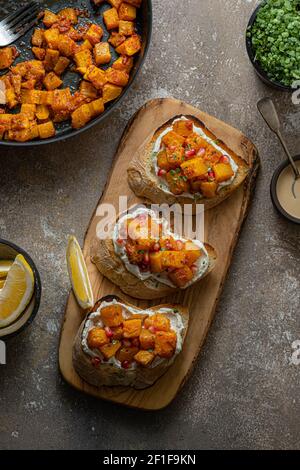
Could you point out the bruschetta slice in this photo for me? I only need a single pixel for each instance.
(185, 163)
(121, 345)
(146, 259)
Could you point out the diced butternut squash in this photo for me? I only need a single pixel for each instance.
(126, 28)
(135, 3)
(223, 172)
(127, 12)
(29, 109)
(172, 139)
(111, 349)
(31, 96)
(69, 14)
(123, 63)
(47, 98)
(131, 46)
(88, 90)
(39, 53)
(66, 46)
(183, 127)
(52, 81)
(172, 259)
(52, 38)
(177, 182)
(83, 58)
(46, 130)
(112, 315)
(115, 3)
(144, 358)
(156, 262)
(117, 332)
(175, 156)
(195, 142)
(102, 54)
(38, 38)
(158, 321)
(49, 18)
(97, 338)
(111, 92)
(111, 18)
(162, 161)
(181, 277)
(61, 99)
(132, 328)
(127, 354)
(61, 65)
(192, 253)
(94, 34)
(147, 339)
(86, 112)
(85, 45)
(117, 77)
(116, 39)
(42, 112)
(195, 168)
(165, 344)
(96, 76)
(7, 56)
(208, 188)
(51, 59)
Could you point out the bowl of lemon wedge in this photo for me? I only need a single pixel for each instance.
(20, 289)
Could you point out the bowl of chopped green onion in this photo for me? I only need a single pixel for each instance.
(273, 43)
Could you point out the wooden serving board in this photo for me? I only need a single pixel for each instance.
(222, 227)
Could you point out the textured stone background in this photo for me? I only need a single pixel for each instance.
(244, 392)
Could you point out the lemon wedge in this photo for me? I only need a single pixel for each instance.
(17, 291)
(78, 274)
(5, 266)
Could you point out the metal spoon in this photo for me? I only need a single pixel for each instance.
(268, 111)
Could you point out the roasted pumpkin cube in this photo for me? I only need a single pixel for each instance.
(116, 39)
(147, 339)
(39, 52)
(88, 90)
(126, 28)
(49, 18)
(173, 259)
(97, 338)
(66, 46)
(144, 358)
(165, 344)
(85, 45)
(162, 161)
(135, 3)
(111, 349)
(195, 168)
(51, 59)
(172, 139)
(52, 38)
(23, 135)
(102, 53)
(5, 120)
(38, 38)
(181, 277)
(156, 262)
(177, 182)
(86, 112)
(111, 92)
(30, 96)
(46, 130)
(83, 58)
(223, 172)
(169, 243)
(127, 354)
(131, 46)
(112, 315)
(20, 121)
(117, 77)
(97, 107)
(61, 99)
(192, 252)
(69, 14)
(61, 65)
(117, 332)
(127, 12)
(195, 142)
(42, 112)
(123, 63)
(7, 56)
(132, 328)
(111, 18)
(183, 127)
(94, 34)
(208, 188)
(47, 97)
(158, 321)
(29, 109)
(212, 155)
(96, 76)
(16, 82)
(35, 69)
(175, 156)
(115, 3)
(52, 81)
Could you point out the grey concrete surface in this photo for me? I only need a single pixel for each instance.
(244, 392)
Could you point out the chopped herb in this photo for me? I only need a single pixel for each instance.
(178, 170)
(141, 252)
(172, 172)
(217, 142)
(176, 310)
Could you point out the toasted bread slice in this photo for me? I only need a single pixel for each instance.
(109, 374)
(144, 182)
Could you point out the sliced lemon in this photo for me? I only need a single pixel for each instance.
(17, 291)
(79, 275)
(5, 266)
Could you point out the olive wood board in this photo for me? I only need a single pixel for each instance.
(222, 228)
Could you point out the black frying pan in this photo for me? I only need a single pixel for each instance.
(144, 27)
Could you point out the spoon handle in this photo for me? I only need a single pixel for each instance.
(287, 152)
